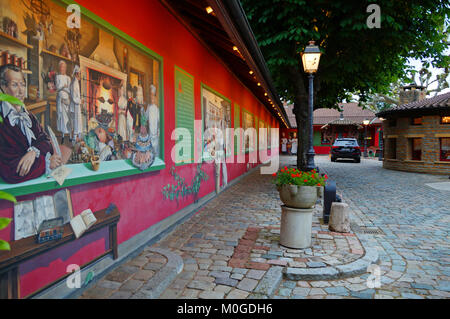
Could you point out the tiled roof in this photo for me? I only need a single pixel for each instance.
(342, 121)
(351, 111)
(441, 101)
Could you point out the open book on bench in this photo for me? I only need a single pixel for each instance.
(29, 215)
(82, 222)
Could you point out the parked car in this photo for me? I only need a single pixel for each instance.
(346, 148)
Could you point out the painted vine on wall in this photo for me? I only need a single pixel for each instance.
(181, 188)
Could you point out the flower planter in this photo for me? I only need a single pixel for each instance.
(302, 197)
(296, 225)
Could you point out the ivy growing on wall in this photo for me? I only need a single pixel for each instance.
(182, 189)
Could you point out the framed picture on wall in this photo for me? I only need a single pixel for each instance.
(216, 108)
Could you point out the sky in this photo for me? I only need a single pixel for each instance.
(417, 66)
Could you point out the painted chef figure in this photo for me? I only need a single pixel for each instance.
(62, 99)
(26, 151)
(153, 119)
(75, 104)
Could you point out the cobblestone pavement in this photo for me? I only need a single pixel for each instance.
(230, 247)
(414, 246)
(124, 281)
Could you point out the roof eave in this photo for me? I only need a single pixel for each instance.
(236, 24)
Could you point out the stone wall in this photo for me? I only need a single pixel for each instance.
(430, 131)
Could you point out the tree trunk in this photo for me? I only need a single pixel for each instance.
(301, 111)
(301, 116)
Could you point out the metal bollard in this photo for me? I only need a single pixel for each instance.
(328, 199)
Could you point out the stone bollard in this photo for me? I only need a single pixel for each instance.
(339, 218)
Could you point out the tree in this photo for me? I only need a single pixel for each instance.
(378, 102)
(355, 58)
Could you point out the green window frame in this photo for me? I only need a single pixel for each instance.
(82, 173)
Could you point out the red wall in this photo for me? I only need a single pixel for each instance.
(139, 198)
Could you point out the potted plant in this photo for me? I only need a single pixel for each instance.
(298, 191)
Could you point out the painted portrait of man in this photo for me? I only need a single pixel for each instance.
(26, 151)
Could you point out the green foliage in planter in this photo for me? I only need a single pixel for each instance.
(292, 176)
(4, 222)
(181, 188)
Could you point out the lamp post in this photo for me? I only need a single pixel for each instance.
(310, 59)
(365, 122)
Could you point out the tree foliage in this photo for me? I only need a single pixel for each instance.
(355, 58)
(378, 102)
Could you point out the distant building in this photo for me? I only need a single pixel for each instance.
(417, 133)
(330, 124)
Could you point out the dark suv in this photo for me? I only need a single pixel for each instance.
(346, 148)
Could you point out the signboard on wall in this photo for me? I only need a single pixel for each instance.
(184, 116)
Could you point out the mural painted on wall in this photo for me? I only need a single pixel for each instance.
(100, 96)
(248, 121)
(216, 115)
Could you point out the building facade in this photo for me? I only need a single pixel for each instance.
(417, 133)
(330, 124)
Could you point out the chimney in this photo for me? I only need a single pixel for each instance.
(412, 93)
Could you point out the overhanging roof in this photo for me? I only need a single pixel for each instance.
(342, 121)
(438, 103)
(228, 36)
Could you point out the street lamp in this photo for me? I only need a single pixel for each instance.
(365, 122)
(310, 60)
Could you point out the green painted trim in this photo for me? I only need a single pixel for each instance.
(82, 174)
(183, 72)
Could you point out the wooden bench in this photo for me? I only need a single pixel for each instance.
(28, 248)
